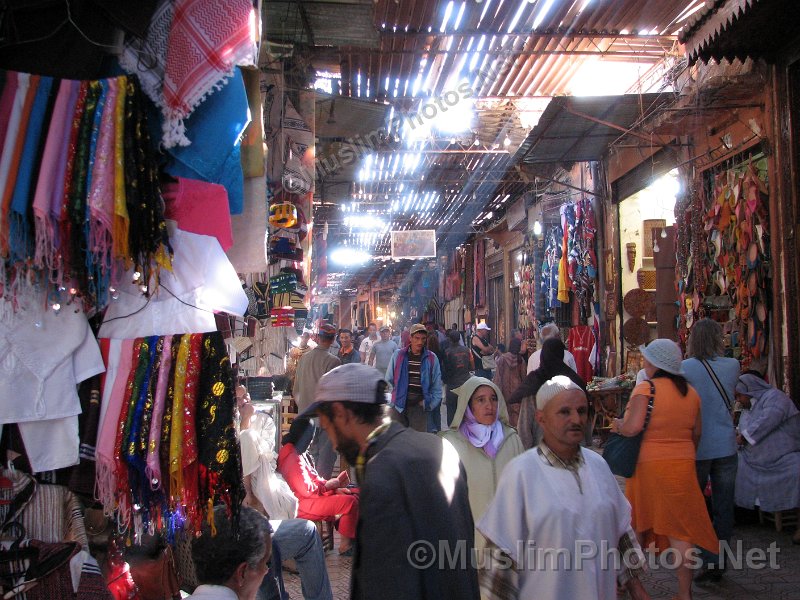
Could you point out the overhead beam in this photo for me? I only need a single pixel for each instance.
(538, 35)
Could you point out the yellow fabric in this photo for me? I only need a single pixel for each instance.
(563, 283)
(176, 431)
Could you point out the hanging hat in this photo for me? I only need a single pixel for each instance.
(664, 354)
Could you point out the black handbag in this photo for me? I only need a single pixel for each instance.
(622, 452)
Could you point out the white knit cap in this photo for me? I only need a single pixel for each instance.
(552, 388)
(664, 354)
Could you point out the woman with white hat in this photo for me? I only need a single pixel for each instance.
(667, 505)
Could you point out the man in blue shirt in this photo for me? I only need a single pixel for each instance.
(416, 378)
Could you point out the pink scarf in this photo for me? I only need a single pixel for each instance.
(153, 468)
(488, 437)
(105, 482)
(54, 161)
(101, 194)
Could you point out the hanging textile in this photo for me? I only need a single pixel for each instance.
(79, 191)
(728, 278)
(551, 265)
(169, 427)
(580, 342)
(207, 39)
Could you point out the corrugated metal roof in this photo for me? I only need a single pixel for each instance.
(581, 129)
(509, 56)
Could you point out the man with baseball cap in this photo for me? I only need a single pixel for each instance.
(562, 498)
(416, 378)
(481, 347)
(313, 365)
(414, 501)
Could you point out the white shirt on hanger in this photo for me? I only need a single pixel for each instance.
(39, 373)
(202, 281)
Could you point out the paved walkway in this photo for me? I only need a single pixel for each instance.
(747, 583)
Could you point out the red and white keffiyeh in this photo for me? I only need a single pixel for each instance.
(207, 40)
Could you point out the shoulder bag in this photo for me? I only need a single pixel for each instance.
(622, 452)
(488, 362)
(718, 383)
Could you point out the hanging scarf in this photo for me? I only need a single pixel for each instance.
(60, 177)
(137, 434)
(20, 238)
(23, 103)
(64, 221)
(153, 468)
(120, 219)
(100, 199)
(77, 208)
(166, 420)
(218, 450)
(206, 41)
(488, 437)
(53, 162)
(176, 437)
(188, 451)
(146, 57)
(147, 235)
(105, 481)
(7, 103)
(140, 358)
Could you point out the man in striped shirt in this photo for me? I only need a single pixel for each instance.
(416, 378)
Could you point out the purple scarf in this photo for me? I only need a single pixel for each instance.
(488, 437)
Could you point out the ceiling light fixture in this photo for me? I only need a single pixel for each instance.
(507, 142)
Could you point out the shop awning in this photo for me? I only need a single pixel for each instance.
(741, 29)
(574, 129)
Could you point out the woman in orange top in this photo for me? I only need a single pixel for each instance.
(668, 510)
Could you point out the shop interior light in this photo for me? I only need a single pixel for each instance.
(507, 142)
(537, 228)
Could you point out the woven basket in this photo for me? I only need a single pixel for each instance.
(646, 278)
(260, 388)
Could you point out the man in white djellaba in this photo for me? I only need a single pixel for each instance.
(559, 514)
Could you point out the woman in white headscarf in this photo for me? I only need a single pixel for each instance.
(484, 440)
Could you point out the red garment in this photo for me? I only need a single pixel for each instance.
(314, 501)
(580, 342)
